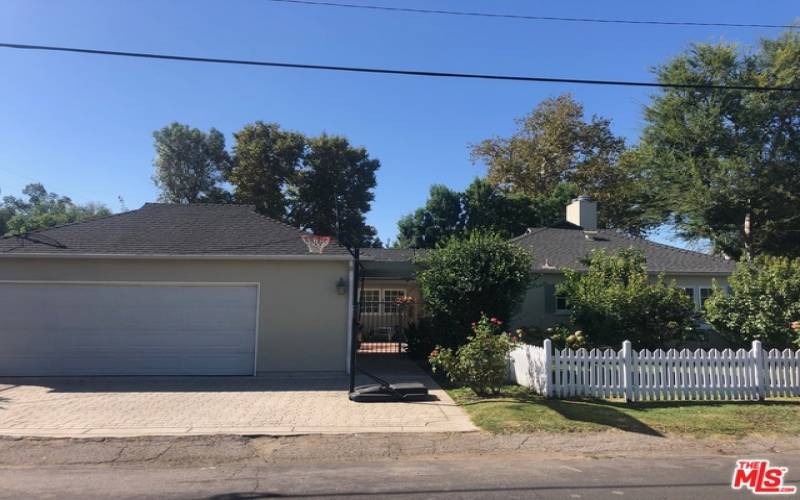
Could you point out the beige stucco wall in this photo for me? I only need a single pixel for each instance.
(533, 312)
(302, 319)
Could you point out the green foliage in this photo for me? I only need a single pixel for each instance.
(724, 164)
(482, 363)
(560, 335)
(554, 145)
(189, 163)
(440, 219)
(333, 190)
(481, 207)
(265, 162)
(43, 209)
(764, 300)
(322, 183)
(615, 300)
(459, 280)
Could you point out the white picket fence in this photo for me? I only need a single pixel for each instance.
(657, 375)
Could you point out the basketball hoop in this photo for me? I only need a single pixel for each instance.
(315, 243)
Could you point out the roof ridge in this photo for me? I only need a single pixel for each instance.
(250, 206)
(665, 246)
(528, 232)
(198, 203)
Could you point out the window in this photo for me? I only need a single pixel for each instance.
(690, 293)
(371, 301)
(562, 306)
(705, 294)
(389, 300)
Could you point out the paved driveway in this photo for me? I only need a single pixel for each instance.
(273, 404)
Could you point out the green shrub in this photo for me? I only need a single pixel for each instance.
(482, 363)
(459, 280)
(561, 335)
(764, 301)
(616, 300)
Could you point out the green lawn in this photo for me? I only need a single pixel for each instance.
(517, 410)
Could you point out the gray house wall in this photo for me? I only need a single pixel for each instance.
(538, 307)
(303, 321)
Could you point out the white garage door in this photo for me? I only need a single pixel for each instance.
(127, 329)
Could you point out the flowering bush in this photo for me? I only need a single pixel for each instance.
(482, 363)
(405, 300)
(561, 336)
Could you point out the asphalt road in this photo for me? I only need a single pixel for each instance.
(512, 475)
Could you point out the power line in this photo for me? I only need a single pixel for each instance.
(532, 18)
(388, 71)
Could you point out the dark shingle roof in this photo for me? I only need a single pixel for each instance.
(391, 254)
(165, 229)
(557, 247)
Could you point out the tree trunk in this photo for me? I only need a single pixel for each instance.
(748, 235)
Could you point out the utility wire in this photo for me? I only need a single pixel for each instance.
(531, 18)
(387, 71)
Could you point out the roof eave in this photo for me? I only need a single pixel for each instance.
(116, 256)
(670, 272)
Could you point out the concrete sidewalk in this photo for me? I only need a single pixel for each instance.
(273, 404)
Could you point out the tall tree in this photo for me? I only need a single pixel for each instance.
(438, 220)
(333, 190)
(555, 145)
(726, 164)
(265, 162)
(189, 163)
(43, 209)
(482, 206)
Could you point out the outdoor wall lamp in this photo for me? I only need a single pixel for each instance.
(341, 286)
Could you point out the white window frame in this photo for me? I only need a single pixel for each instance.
(385, 301)
(364, 301)
(381, 299)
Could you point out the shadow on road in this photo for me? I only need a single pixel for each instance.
(471, 491)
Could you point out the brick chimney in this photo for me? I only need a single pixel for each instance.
(583, 212)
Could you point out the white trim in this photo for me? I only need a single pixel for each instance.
(382, 299)
(258, 328)
(361, 301)
(135, 283)
(350, 313)
(163, 283)
(171, 257)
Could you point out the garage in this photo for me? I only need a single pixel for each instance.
(127, 328)
(173, 289)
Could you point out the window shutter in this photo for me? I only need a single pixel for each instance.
(549, 298)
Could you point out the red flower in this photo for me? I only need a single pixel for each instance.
(493, 319)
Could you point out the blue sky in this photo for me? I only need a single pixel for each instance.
(82, 125)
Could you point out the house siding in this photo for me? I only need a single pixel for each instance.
(303, 322)
(535, 313)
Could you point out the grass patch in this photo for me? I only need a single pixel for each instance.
(518, 410)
